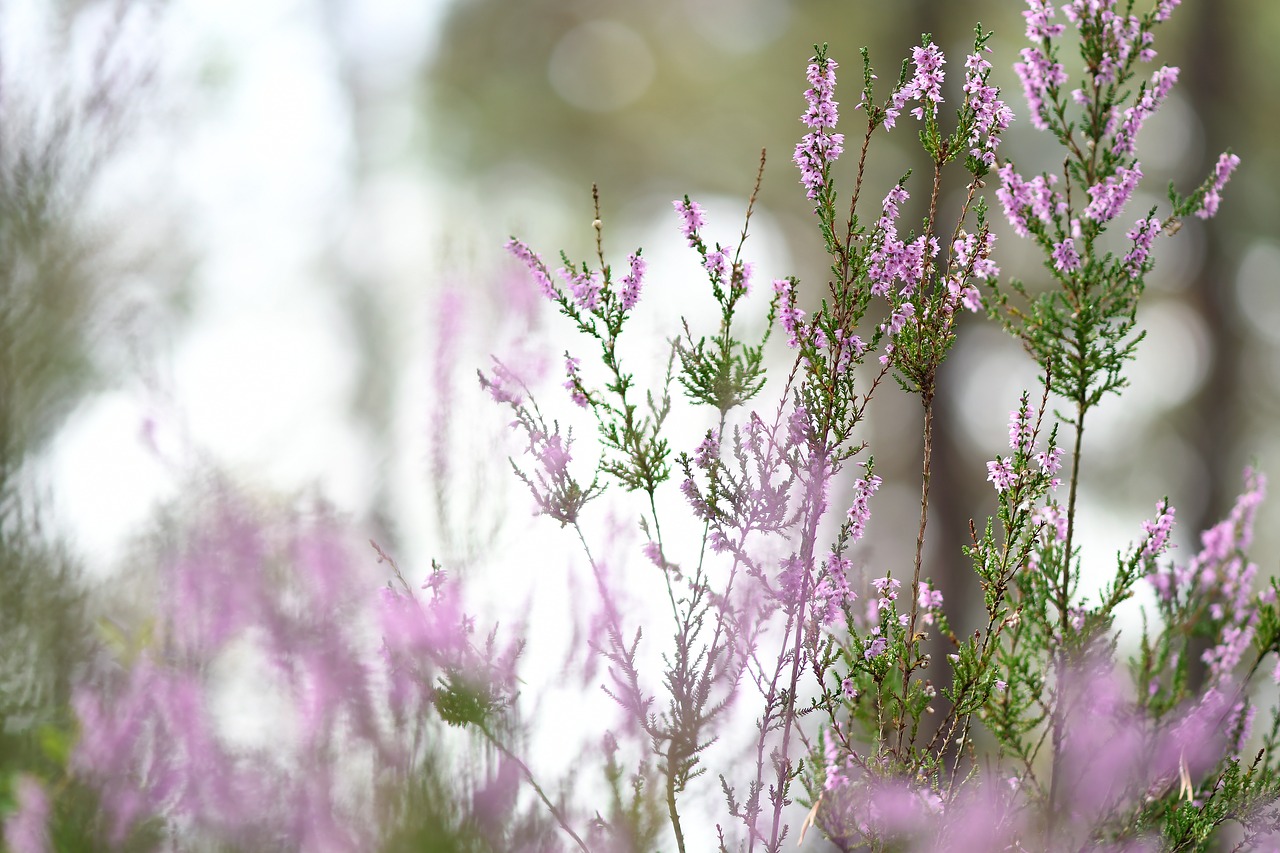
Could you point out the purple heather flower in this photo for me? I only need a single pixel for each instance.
(860, 511)
(832, 593)
(1052, 516)
(1143, 234)
(835, 776)
(502, 385)
(1158, 531)
(717, 264)
(1039, 77)
(533, 261)
(1020, 427)
(925, 84)
(633, 280)
(1110, 196)
(26, 830)
(991, 115)
(875, 648)
(740, 281)
(1050, 461)
(1153, 95)
(1000, 472)
(692, 218)
(584, 285)
(1065, 258)
(788, 314)
(820, 148)
(930, 600)
(708, 451)
(1221, 174)
(904, 312)
(1017, 195)
(573, 384)
(1038, 16)
(1165, 8)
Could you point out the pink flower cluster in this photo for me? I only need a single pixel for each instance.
(1153, 95)
(1036, 197)
(1227, 163)
(1110, 196)
(924, 86)
(820, 147)
(991, 115)
(1143, 234)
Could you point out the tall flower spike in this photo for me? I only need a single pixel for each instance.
(1227, 163)
(691, 219)
(820, 147)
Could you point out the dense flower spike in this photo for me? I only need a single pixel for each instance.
(692, 219)
(533, 261)
(991, 115)
(820, 147)
(1065, 258)
(633, 281)
(1108, 198)
(924, 86)
(1041, 77)
(1143, 234)
(1227, 164)
(1153, 95)
(1158, 531)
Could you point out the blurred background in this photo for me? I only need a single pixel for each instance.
(267, 237)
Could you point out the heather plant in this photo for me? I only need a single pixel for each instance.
(1028, 729)
(796, 680)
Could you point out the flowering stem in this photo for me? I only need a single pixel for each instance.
(1064, 600)
(908, 665)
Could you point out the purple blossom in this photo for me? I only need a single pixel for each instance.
(1109, 197)
(1053, 517)
(1040, 78)
(1227, 164)
(1020, 430)
(1050, 461)
(585, 287)
(502, 385)
(899, 318)
(573, 384)
(26, 830)
(1016, 196)
(819, 148)
(533, 261)
(875, 648)
(1158, 531)
(860, 510)
(1143, 234)
(633, 281)
(708, 450)
(717, 264)
(1038, 17)
(930, 601)
(1165, 8)
(1153, 95)
(991, 115)
(1000, 472)
(692, 218)
(1065, 258)
(925, 84)
(832, 593)
(788, 314)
